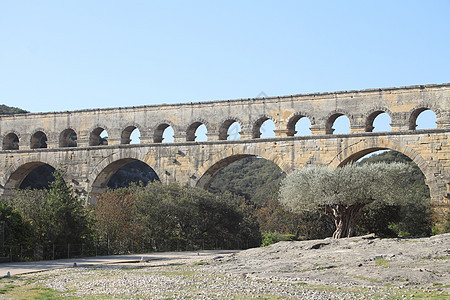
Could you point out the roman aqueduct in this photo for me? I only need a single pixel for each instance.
(35, 139)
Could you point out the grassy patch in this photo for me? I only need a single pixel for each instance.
(442, 257)
(368, 279)
(382, 262)
(5, 289)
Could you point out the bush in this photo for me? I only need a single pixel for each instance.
(270, 238)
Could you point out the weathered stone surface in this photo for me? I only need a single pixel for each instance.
(89, 167)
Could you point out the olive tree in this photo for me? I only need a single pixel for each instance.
(343, 192)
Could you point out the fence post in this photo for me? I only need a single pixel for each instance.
(10, 254)
(82, 249)
(68, 250)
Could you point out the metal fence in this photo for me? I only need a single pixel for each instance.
(47, 251)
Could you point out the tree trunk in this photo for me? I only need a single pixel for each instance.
(344, 218)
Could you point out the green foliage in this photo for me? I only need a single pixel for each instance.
(253, 178)
(16, 230)
(175, 218)
(8, 110)
(314, 225)
(343, 192)
(258, 181)
(270, 238)
(64, 218)
(410, 217)
(53, 216)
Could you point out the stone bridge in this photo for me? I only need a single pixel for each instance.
(71, 140)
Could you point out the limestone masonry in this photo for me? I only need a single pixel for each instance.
(34, 139)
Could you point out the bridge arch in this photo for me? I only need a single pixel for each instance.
(38, 139)
(94, 137)
(372, 114)
(294, 118)
(68, 138)
(331, 118)
(160, 128)
(16, 174)
(435, 176)
(192, 129)
(100, 175)
(125, 136)
(256, 132)
(210, 171)
(225, 125)
(415, 112)
(11, 141)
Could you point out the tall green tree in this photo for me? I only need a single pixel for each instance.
(55, 215)
(342, 193)
(64, 218)
(16, 230)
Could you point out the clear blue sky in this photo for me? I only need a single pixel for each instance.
(76, 54)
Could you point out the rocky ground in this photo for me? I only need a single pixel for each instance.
(355, 268)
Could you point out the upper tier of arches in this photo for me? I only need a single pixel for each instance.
(320, 114)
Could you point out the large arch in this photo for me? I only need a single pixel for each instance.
(435, 176)
(209, 172)
(103, 173)
(16, 176)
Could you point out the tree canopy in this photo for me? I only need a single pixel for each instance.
(342, 193)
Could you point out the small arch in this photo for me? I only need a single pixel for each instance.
(422, 118)
(98, 137)
(299, 125)
(337, 123)
(130, 135)
(38, 140)
(196, 132)
(163, 133)
(230, 130)
(11, 142)
(68, 138)
(264, 127)
(378, 121)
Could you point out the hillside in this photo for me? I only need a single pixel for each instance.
(9, 110)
